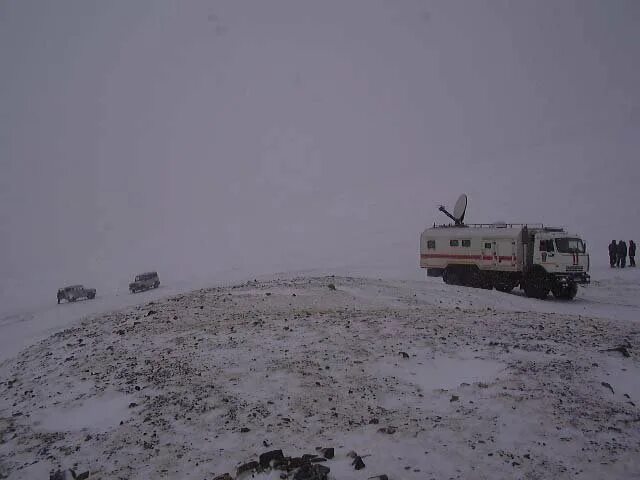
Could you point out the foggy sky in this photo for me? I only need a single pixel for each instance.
(201, 138)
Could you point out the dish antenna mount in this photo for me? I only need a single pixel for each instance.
(458, 211)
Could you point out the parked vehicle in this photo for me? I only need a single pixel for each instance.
(144, 281)
(502, 256)
(76, 292)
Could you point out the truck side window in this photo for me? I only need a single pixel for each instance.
(466, 243)
(546, 246)
(487, 245)
(453, 243)
(431, 244)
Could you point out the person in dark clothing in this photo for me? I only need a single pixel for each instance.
(632, 253)
(613, 252)
(622, 254)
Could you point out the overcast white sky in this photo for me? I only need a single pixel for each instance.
(205, 137)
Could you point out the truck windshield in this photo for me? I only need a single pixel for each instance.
(569, 245)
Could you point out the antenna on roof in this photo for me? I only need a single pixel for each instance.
(458, 211)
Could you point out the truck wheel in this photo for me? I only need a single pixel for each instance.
(451, 277)
(504, 288)
(567, 293)
(533, 290)
(92, 296)
(572, 291)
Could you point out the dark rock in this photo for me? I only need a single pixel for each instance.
(247, 467)
(245, 430)
(83, 476)
(151, 312)
(404, 354)
(623, 349)
(224, 476)
(308, 456)
(331, 286)
(606, 385)
(312, 472)
(267, 457)
(62, 475)
(374, 421)
(388, 430)
(454, 398)
(358, 464)
(297, 462)
(327, 452)
(133, 404)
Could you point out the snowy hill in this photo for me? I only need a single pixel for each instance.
(421, 379)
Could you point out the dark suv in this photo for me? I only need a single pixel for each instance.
(144, 281)
(75, 292)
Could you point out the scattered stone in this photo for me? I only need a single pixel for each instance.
(454, 398)
(404, 354)
(267, 457)
(327, 452)
(133, 404)
(247, 467)
(312, 472)
(83, 476)
(358, 464)
(331, 286)
(389, 430)
(374, 421)
(623, 349)
(245, 430)
(224, 476)
(607, 385)
(63, 475)
(151, 312)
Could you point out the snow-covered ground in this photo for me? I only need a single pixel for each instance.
(421, 379)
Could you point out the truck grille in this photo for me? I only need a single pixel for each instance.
(575, 268)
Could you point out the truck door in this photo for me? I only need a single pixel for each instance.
(488, 253)
(506, 252)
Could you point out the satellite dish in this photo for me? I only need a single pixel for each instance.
(460, 208)
(458, 211)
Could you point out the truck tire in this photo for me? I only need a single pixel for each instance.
(91, 296)
(534, 289)
(565, 293)
(504, 287)
(451, 277)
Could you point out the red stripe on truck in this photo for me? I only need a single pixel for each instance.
(445, 255)
(466, 257)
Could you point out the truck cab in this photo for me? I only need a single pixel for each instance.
(562, 258)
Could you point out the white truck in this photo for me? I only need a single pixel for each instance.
(537, 258)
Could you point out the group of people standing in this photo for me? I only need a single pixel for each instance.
(618, 254)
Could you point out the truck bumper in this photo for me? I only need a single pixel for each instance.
(566, 278)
